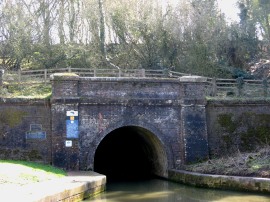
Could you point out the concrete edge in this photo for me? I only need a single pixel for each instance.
(75, 187)
(252, 184)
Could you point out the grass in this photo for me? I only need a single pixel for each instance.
(255, 164)
(22, 172)
(28, 90)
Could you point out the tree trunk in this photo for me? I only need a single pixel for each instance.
(72, 21)
(61, 22)
(102, 33)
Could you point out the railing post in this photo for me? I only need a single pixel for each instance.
(240, 86)
(45, 75)
(95, 72)
(69, 69)
(142, 72)
(1, 76)
(166, 73)
(119, 72)
(265, 87)
(20, 75)
(214, 86)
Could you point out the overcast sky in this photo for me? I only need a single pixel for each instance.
(229, 7)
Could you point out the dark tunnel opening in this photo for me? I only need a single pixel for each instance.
(130, 153)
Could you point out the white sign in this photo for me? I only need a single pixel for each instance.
(68, 143)
(72, 113)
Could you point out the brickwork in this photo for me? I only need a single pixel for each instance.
(237, 126)
(25, 130)
(155, 105)
(171, 115)
(168, 114)
(96, 122)
(64, 85)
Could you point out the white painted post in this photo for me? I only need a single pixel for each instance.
(142, 72)
(1, 76)
(20, 75)
(45, 75)
(214, 87)
(119, 72)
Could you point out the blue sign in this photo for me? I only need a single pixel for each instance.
(35, 132)
(72, 124)
(36, 135)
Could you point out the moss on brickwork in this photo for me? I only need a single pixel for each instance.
(225, 120)
(245, 132)
(12, 117)
(255, 137)
(20, 154)
(257, 133)
(34, 155)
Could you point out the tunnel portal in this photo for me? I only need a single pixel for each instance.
(130, 153)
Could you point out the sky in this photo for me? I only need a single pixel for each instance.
(229, 7)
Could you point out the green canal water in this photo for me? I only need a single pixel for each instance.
(156, 190)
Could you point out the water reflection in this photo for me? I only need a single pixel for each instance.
(164, 191)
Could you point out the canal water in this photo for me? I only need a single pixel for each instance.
(156, 190)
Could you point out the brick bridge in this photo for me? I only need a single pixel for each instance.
(128, 125)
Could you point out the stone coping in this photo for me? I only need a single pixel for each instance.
(252, 184)
(193, 79)
(64, 76)
(129, 79)
(237, 101)
(76, 186)
(183, 79)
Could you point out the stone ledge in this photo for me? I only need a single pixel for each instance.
(64, 77)
(75, 187)
(130, 102)
(261, 185)
(217, 102)
(128, 79)
(195, 79)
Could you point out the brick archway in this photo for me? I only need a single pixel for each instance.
(131, 152)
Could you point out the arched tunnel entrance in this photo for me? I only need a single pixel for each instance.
(130, 153)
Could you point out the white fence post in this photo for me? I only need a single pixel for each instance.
(214, 86)
(45, 75)
(1, 76)
(20, 75)
(119, 72)
(142, 72)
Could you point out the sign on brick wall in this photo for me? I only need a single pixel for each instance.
(35, 132)
(72, 124)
